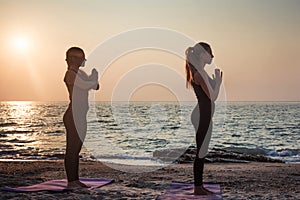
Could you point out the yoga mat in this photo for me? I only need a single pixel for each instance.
(58, 185)
(180, 190)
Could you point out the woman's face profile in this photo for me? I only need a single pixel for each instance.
(78, 59)
(206, 57)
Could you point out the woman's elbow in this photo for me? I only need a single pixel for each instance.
(97, 87)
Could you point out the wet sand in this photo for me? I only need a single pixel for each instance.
(253, 180)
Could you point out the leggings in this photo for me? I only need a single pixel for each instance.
(203, 128)
(74, 142)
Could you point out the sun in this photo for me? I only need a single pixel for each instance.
(21, 43)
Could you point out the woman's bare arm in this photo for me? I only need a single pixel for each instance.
(71, 78)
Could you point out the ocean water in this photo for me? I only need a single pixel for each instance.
(130, 133)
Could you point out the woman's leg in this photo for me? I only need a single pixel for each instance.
(73, 148)
(203, 130)
(201, 119)
(198, 171)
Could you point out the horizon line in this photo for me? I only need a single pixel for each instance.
(2, 101)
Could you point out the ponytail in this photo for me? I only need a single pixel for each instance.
(193, 58)
(189, 68)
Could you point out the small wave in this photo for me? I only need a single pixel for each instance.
(170, 127)
(8, 152)
(20, 141)
(57, 156)
(105, 121)
(8, 124)
(2, 134)
(16, 132)
(38, 125)
(54, 132)
(235, 135)
(275, 128)
(284, 153)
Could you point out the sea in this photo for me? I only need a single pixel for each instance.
(130, 132)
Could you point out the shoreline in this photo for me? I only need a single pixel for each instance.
(176, 156)
(255, 180)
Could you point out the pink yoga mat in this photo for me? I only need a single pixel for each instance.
(59, 185)
(181, 191)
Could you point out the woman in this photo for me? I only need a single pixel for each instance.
(78, 84)
(206, 90)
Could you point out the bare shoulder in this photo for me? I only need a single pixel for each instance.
(70, 77)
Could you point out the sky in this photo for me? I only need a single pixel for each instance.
(256, 44)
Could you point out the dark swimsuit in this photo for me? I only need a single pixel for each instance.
(201, 120)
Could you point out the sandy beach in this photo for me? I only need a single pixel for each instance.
(253, 180)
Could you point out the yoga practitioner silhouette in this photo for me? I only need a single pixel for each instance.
(78, 84)
(206, 90)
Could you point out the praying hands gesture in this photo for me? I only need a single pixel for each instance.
(217, 77)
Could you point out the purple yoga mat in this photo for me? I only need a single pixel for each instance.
(180, 190)
(59, 185)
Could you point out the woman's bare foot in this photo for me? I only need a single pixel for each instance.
(200, 190)
(76, 184)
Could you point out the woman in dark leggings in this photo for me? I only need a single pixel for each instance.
(206, 90)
